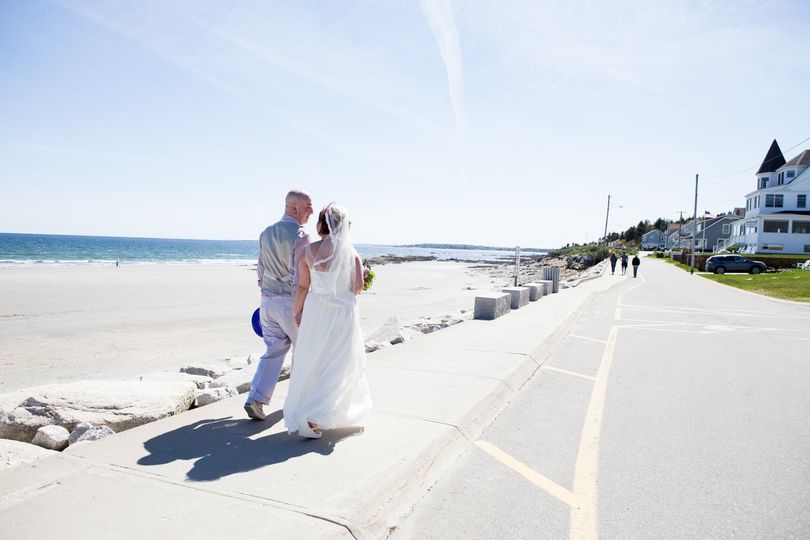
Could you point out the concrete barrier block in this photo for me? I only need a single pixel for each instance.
(552, 273)
(489, 306)
(520, 296)
(535, 291)
(548, 286)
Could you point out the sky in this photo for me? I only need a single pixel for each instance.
(493, 123)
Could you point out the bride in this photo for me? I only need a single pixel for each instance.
(328, 387)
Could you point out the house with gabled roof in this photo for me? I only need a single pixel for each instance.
(654, 239)
(777, 217)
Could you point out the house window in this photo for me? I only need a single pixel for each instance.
(775, 226)
(791, 174)
(801, 201)
(726, 228)
(763, 183)
(774, 201)
(780, 179)
(807, 248)
(773, 247)
(801, 227)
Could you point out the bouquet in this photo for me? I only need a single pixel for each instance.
(368, 275)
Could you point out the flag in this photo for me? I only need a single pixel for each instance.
(708, 214)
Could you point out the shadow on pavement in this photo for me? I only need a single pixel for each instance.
(225, 447)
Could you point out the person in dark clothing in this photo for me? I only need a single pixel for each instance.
(636, 262)
(624, 263)
(613, 260)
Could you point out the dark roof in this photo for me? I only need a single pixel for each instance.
(801, 159)
(773, 159)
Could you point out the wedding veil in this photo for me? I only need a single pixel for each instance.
(334, 258)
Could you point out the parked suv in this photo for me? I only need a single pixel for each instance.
(720, 264)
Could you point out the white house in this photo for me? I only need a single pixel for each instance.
(777, 218)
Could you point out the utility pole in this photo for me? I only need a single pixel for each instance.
(694, 229)
(607, 215)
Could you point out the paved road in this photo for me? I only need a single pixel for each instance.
(674, 408)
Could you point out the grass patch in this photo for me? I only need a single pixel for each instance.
(790, 285)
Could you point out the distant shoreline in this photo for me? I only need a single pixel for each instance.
(474, 247)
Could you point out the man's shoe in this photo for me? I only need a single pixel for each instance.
(254, 410)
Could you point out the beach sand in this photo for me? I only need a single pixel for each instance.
(69, 324)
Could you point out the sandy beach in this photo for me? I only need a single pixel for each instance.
(69, 324)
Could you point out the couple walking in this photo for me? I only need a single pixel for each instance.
(309, 302)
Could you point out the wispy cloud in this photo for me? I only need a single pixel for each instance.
(439, 14)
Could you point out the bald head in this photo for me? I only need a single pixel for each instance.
(298, 204)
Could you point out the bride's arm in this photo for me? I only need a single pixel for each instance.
(358, 275)
(302, 290)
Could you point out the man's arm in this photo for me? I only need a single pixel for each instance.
(301, 290)
(260, 266)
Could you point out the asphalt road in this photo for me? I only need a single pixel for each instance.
(674, 408)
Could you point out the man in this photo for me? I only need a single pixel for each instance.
(613, 260)
(280, 246)
(636, 262)
(624, 263)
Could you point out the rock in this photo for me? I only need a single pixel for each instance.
(217, 368)
(201, 381)
(77, 432)
(212, 395)
(391, 332)
(52, 437)
(88, 432)
(14, 453)
(119, 405)
(20, 424)
(372, 345)
(285, 373)
(238, 380)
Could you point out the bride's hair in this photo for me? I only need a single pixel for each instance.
(335, 215)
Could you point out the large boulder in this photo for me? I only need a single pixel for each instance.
(52, 437)
(392, 332)
(88, 432)
(20, 424)
(239, 380)
(172, 376)
(216, 368)
(212, 395)
(14, 453)
(120, 405)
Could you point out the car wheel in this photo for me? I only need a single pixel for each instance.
(719, 270)
(756, 270)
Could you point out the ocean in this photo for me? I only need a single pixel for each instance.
(27, 250)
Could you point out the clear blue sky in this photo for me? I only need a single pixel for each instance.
(483, 122)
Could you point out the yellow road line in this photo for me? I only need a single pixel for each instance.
(551, 487)
(584, 513)
(567, 372)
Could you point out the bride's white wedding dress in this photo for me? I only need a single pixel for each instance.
(328, 384)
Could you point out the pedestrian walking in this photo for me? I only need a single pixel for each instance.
(624, 263)
(636, 262)
(613, 260)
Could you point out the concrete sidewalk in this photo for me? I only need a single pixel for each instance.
(212, 472)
